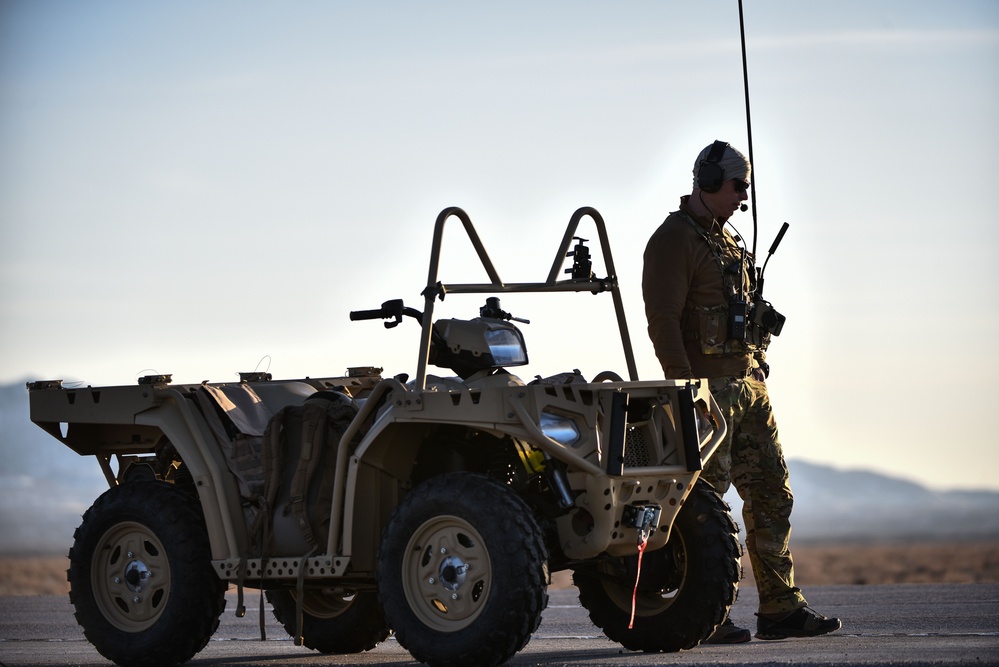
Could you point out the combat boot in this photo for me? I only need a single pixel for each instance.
(729, 633)
(803, 622)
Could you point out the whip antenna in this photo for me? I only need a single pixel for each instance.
(749, 122)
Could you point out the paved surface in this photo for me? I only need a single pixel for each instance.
(882, 625)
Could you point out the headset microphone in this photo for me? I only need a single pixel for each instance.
(743, 208)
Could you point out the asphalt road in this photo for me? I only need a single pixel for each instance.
(882, 625)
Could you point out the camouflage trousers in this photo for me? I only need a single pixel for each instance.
(751, 459)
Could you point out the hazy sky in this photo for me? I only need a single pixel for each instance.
(199, 188)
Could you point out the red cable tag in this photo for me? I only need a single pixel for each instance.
(642, 543)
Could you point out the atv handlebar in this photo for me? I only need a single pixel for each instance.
(393, 309)
(367, 314)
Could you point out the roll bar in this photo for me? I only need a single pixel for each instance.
(581, 281)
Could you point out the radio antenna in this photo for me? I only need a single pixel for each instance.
(749, 122)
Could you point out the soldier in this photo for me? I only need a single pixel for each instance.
(697, 283)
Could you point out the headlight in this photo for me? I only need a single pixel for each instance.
(559, 428)
(506, 348)
(468, 346)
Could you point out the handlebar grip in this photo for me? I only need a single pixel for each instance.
(368, 314)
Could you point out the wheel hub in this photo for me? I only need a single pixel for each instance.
(136, 576)
(452, 573)
(447, 573)
(130, 575)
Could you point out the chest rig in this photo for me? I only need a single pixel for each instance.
(727, 329)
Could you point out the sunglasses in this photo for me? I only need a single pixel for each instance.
(740, 186)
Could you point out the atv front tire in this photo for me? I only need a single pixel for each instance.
(333, 622)
(462, 572)
(141, 576)
(686, 588)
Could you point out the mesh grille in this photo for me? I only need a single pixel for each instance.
(636, 449)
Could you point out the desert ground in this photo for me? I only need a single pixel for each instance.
(815, 565)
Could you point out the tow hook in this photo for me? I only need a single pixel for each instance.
(643, 518)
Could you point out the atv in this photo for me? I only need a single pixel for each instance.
(435, 508)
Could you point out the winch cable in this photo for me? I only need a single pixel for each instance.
(643, 541)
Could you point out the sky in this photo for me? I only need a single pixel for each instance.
(205, 188)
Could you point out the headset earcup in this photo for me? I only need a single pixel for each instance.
(710, 175)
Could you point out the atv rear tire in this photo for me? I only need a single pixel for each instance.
(462, 572)
(686, 588)
(333, 623)
(141, 576)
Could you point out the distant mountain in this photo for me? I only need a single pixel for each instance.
(45, 487)
(862, 505)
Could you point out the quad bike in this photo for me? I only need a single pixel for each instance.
(436, 508)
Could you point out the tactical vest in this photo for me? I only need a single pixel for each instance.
(711, 323)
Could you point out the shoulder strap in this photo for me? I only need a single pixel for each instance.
(274, 448)
(718, 254)
(314, 427)
(716, 251)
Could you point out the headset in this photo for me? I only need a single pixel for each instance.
(710, 175)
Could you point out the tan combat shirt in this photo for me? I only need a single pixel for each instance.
(681, 273)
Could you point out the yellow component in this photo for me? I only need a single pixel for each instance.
(533, 459)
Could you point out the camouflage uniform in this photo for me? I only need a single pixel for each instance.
(687, 282)
(751, 459)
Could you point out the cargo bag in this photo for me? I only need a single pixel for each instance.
(299, 461)
(299, 456)
(238, 419)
